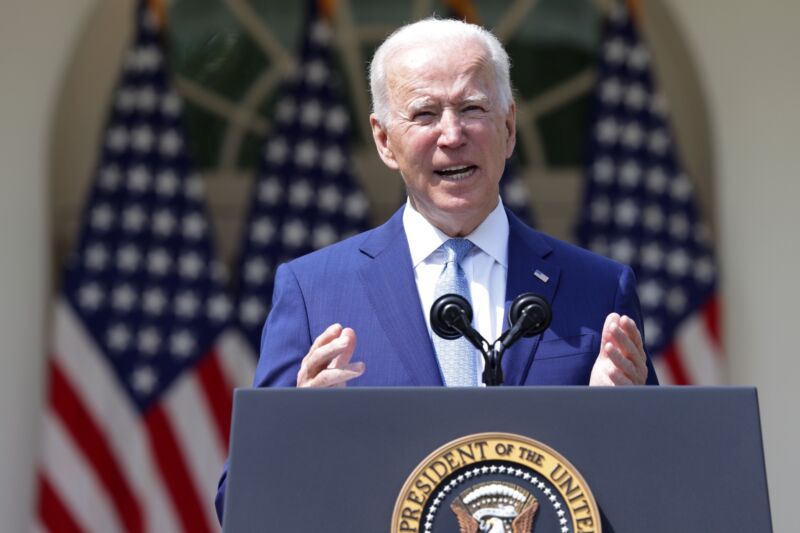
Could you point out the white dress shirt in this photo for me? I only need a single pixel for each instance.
(486, 268)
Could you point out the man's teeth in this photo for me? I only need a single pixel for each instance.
(456, 172)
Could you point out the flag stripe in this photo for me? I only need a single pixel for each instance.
(699, 351)
(92, 376)
(236, 358)
(170, 460)
(74, 481)
(662, 371)
(217, 395)
(54, 515)
(675, 366)
(87, 435)
(712, 319)
(197, 436)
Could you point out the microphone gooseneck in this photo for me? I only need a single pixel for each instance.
(451, 318)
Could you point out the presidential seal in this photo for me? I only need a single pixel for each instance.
(495, 483)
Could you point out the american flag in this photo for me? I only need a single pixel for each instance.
(640, 210)
(305, 195)
(140, 374)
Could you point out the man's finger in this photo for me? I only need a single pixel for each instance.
(622, 363)
(605, 336)
(621, 338)
(605, 373)
(343, 358)
(333, 331)
(629, 325)
(322, 356)
(632, 352)
(333, 377)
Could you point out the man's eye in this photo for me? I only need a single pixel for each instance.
(474, 108)
(423, 115)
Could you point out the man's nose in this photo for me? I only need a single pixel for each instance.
(452, 130)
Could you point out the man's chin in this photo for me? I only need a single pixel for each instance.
(457, 218)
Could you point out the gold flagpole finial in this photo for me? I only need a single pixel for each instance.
(327, 8)
(159, 10)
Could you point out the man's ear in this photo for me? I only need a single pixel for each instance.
(381, 138)
(511, 129)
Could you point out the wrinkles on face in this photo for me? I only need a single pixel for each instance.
(420, 92)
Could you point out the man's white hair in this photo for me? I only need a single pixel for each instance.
(429, 31)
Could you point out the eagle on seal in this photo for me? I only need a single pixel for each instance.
(522, 523)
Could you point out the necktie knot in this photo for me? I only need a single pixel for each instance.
(457, 249)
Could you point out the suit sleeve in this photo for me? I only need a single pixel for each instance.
(286, 337)
(626, 302)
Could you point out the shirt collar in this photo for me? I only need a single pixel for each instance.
(491, 236)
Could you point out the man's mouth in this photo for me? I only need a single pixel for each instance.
(456, 173)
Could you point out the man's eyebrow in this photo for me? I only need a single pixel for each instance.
(476, 99)
(419, 103)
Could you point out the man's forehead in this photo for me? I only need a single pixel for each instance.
(417, 56)
(416, 73)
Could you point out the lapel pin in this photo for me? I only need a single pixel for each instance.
(542, 276)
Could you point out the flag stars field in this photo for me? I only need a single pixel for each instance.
(294, 233)
(167, 183)
(329, 199)
(256, 270)
(139, 179)
(219, 308)
(128, 258)
(144, 380)
(96, 257)
(193, 226)
(277, 150)
(262, 230)
(110, 178)
(91, 296)
(270, 191)
(149, 340)
(159, 262)
(154, 301)
(337, 120)
(305, 194)
(133, 218)
(333, 161)
(300, 193)
(252, 311)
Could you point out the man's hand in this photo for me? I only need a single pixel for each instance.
(622, 360)
(327, 363)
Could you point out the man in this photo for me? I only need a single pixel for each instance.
(357, 312)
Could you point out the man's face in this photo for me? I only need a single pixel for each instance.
(446, 133)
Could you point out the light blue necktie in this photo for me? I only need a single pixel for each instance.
(457, 358)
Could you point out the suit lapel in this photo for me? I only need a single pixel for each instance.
(389, 281)
(528, 271)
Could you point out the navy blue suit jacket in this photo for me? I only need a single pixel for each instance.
(367, 283)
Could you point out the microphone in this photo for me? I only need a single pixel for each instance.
(529, 315)
(532, 312)
(449, 311)
(451, 317)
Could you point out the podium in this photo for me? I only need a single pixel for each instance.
(655, 459)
